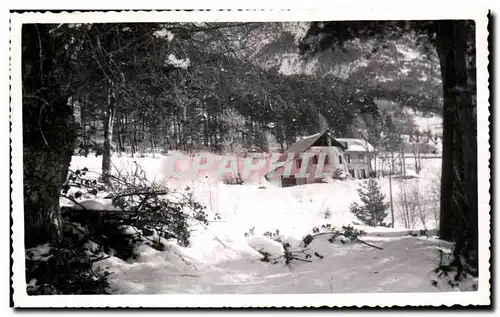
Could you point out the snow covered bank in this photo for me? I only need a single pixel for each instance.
(236, 209)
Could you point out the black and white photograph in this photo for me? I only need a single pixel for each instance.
(313, 160)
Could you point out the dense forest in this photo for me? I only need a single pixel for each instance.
(190, 88)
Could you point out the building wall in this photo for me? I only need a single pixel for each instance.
(331, 163)
(361, 168)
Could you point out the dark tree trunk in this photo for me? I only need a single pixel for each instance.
(444, 44)
(128, 137)
(459, 203)
(119, 134)
(466, 156)
(83, 119)
(49, 133)
(152, 136)
(108, 132)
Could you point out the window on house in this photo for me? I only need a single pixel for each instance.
(315, 159)
(348, 158)
(340, 159)
(361, 158)
(326, 160)
(299, 163)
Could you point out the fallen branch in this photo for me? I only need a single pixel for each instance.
(303, 260)
(323, 233)
(140, 193)
(368, 244)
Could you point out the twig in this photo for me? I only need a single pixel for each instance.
(303, 260)
(203, 225)
(368, 244)
(219, 240)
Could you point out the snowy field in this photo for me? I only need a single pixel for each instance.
(224, 258)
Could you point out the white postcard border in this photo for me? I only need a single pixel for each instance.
(482, 296)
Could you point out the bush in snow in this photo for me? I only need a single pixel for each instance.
(271, 249)
(276, 248)
(135, 202)
(273, 235)
(372, 210)
(250, 232)
(339, 174)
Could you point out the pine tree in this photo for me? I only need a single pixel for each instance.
(372, 211)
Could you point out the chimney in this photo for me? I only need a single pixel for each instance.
(328, 138)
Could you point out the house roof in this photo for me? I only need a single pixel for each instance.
(305, 143)
(312, 140)
(356, 145)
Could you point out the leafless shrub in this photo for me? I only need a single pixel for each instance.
(434, 196)
(418, 201)
(408, 200)
(142, 204)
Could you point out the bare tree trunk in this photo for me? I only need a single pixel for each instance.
(403, 161)
(152, 137)
(390, 196)
(165, 135)
(119, 136)
(392, 162)
(135, 145)
(109, 115)
(416, 157)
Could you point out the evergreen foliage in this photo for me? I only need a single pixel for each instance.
(372, 210)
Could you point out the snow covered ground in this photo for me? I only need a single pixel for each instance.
(404, 265)
(224, 257)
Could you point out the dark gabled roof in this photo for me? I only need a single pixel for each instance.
(303, 144)
(318, 139)
(336, 143)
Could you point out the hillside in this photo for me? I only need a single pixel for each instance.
(257, 100)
